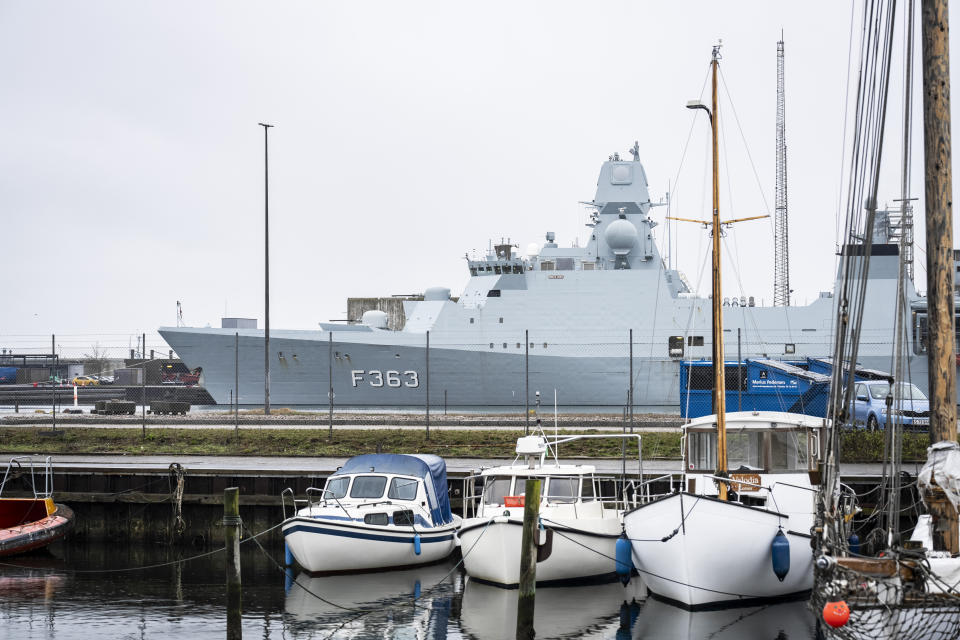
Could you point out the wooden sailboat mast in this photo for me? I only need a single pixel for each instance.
(939, 228)
(719, 370)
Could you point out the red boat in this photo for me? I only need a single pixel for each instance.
(28, 523)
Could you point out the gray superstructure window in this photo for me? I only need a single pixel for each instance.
(547, 265)
(565, 264)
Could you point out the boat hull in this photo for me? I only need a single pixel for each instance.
(330, 546)
(719, 556)
(570, 550)
(36, 533)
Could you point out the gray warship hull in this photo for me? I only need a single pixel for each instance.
(556, 320)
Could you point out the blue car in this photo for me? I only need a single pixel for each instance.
(870, 405)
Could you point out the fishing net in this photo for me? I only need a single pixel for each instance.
(911, 602)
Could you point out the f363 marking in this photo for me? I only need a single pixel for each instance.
(376, 378)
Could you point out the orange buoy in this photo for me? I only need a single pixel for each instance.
(836, 614)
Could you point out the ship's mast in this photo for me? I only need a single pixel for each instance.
(719, 370)
(942, 367)
(781, 249)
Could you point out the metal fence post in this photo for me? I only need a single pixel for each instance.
(236, 384)
(143, 394)
(428, 384)
(330, 381)
(630, 394)
(526, 382)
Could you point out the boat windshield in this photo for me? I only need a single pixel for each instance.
(337, 487)
(403, 489)
(368, 487)
(751, 450)
(495, 488)
(563, 489)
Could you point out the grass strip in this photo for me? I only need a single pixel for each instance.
(310, 442)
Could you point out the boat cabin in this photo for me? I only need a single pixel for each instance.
(383, 490)
(766, 451)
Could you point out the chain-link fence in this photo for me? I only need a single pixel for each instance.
(220, 375)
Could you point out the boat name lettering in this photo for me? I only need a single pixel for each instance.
(752, 478)
(555, 277)
(376, 378)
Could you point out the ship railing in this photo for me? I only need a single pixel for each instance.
(613, 492)
(15, 469)
(644, 493)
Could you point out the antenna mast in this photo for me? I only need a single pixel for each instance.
(781, 250)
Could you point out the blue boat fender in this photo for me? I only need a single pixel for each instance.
(780, 552)
(416, 543)
(624, 559)
(287, 555)
(854, 542)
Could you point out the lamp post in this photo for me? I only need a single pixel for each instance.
(266, 270)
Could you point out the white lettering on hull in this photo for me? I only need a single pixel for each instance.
(376, 378)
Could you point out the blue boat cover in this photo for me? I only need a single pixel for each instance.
(431, 468)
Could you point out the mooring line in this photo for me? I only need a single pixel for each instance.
(145, 567)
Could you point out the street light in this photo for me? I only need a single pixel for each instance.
(696, 104)
(266, 271)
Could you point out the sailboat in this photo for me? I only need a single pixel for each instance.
(738, 531)
(911, 588)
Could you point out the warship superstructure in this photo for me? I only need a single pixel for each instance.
(555, 319)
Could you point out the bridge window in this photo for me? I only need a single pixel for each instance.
(402, 489)
(368, 487)
(547, 265)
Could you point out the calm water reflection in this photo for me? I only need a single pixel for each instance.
(66, 594)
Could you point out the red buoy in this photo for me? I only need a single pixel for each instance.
(836, 614)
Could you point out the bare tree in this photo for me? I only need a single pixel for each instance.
(97, 357)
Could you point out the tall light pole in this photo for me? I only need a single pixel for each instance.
(266, 270)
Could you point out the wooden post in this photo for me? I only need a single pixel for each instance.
(526, 595)
(939, 228)
(231, 534)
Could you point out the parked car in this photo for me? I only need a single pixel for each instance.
(85, 381)
(105, 379)
(870, 405)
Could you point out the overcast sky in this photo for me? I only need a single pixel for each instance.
(406, 134)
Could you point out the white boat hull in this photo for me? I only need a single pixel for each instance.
(323, 546)
(581, 549)
(721, 554)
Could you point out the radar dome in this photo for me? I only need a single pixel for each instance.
(621, 236)
(375, 319)
(533, 249)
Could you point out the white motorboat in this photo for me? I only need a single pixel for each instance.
(377, 511)
(695, 548)
(581, 517)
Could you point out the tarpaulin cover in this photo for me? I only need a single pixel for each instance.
(943, 466)
(429, 467)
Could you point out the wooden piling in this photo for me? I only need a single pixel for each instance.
(231, 526)
(526, 594)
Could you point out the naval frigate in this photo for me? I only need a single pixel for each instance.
(595, 325)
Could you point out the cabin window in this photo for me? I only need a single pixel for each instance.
(694, 341)
(379, 519)
(402, 489)
(586, 490)
(744, 449)
(403, 518)
(564, 264)
(493, 293)
(336, 487)
(702, 450)
(562, 490)
(589, 266)
(547, 265)
(788, 451)
(675, 346)
(494, 489)
(520, 488)
(368, 487)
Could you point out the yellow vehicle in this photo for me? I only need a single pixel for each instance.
(84, 381)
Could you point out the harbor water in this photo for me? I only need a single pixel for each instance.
(102, 591)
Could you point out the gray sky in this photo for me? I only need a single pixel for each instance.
(131, 163)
